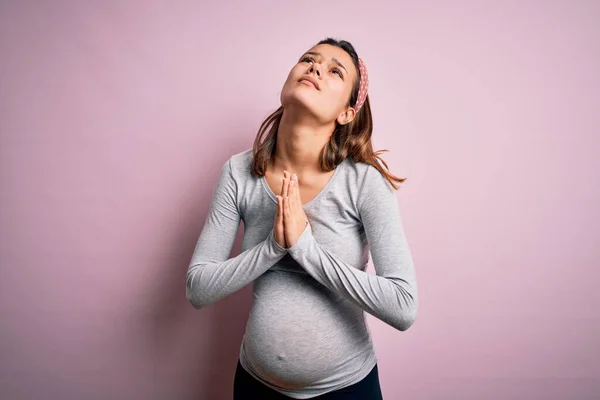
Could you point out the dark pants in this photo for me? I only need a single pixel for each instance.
(245, 387)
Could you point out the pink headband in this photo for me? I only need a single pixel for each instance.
(364, 85)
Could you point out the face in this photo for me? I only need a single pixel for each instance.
(321, 82)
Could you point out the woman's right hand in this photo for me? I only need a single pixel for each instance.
(278, 225)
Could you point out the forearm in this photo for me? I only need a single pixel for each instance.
(209, 281)
(391, 297)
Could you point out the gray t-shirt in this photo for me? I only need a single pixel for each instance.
(306, 334)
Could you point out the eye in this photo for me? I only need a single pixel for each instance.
(335, 70)
(307, 59)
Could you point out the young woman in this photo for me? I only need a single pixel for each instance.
(315, 200)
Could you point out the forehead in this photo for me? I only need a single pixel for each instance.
(328, 52)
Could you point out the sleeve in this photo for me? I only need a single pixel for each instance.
(211, 274)
(391, 294)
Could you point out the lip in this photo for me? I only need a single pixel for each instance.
(311, 80)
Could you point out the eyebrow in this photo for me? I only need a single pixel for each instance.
(335, 60)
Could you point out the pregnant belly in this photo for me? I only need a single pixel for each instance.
(299, 333)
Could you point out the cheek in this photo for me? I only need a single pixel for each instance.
(340, 93)
(290, 80)
(295, 73)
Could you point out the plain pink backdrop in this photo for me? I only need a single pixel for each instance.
(116, 117)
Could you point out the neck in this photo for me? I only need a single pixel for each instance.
(299, 143)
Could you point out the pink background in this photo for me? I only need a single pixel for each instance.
(115, 118)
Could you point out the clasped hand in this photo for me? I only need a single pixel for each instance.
(290, 218)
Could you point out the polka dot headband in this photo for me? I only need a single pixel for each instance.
(364, 85)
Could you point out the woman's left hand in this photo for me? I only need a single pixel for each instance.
(294, 217)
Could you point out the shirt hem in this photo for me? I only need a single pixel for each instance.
(300, 395)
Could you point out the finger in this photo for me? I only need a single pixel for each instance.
(279, 228)
(292, 192)
(297, 189)
(286, 183)
(289, 178)
(279, 214)
(286, 207)
(298, 198)
(282, 186)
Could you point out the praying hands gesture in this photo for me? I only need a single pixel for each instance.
(290, 219)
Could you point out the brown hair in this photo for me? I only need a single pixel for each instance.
(350, 140)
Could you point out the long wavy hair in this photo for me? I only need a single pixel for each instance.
(350, 140)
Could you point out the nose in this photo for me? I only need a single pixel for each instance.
(313, 68)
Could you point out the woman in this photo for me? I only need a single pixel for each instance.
(314, 200)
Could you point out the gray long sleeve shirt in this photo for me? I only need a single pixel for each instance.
(306, 334)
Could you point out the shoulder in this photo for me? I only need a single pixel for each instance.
(240, 163)
(362, 183)
(366, 177)
(368, 186)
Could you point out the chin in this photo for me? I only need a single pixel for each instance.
(299, 100)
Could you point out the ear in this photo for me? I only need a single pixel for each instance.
(347, 116)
